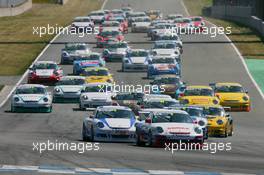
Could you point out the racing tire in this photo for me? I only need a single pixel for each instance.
(84, 136)
(150, 143)
(231, 132)
(226, 133)
(91, 135)
(139, 142)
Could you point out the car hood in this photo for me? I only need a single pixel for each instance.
(121, 123)
(200, 99)
(118, 50)
(163, 66)
(165, 52)
(82, 24)
(96, 17)
(77, 52)
(44, 72)
(70, 88)
(176, 128)
(136, 60)
(87, 63)
(31, 97)
(212, 121)
(92, 79)
(231, 96)
(103, 96)
(141, 24)
(170, 87)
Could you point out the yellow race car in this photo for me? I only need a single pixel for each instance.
(154, 14)
(199, 95)
(232, 95)
(220, 123)
(97, 75)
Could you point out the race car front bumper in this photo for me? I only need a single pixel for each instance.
(31, 107)
(237, 106)
(44, 80)
(135, 66)
(114, 135)
(66, 97)
(216, 131)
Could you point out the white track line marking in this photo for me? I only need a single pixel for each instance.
(238, 53)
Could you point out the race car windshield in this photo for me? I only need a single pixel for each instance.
(142, 20)
(71, 82)
(169, 37)
(214, 111)
(116, 113)
(194, 112)
(45, 66)
(163, 60)
(76, 47)
(99, 88)
(118, 45)
(112, 24)
(138, 54)
(198, 92)
(229, 89)
(164, 46)
(97, 14)
(167, 81)
(197, 19)
(171, 118)
(109, 33)
(31, 90)
(96, 73)
(125, 97)
(162, 104)
(181, 20)
(82, 20)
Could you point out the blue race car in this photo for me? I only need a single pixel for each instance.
(160, 65)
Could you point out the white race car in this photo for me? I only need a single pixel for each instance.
(97, 16)
(31, 97)
(68, 89)
(96, 94)
(136, 59)
(82, 23)
(165, 126)
(140, 24)
(166, 48)
(110, 123)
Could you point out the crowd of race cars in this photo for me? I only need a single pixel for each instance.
(170, 112)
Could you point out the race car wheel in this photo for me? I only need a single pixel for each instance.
(150, 143)
(226, 133)
(231, 131)
(139, 142)
(84, 134)
(91, 135)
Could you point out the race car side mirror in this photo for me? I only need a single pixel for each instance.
(148, 120)
(228, 115)
(246, 91)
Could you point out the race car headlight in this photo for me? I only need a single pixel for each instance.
(245, 98)
(159, 129)
(219, 122)
(201, 123)
(185, 101)
(45, 99)
(126, 61)
(57, 90)
(202, 24)
(109, 81)
(215, 102)
(65, 54)
(16, 99)
(100, 125)
(154, 53)
(176, 52)
(198, 130)
(85, 97)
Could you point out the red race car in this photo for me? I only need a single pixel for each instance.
(105, 36)
(123, 23)
(198, 22)
(46, 72)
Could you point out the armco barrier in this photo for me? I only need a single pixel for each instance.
(238, 14)
(16, 10)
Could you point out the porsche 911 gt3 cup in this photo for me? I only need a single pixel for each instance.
(68, 89)
(115, 51)
(47, 72)
(136, 59)
(110, 123)
(168, 126)
(159, 103)
(31, 98)
(140, 24)
(96, 94)
(83, 23)
(72, 52)
(166, 48)
(133, 15)
(97, 16)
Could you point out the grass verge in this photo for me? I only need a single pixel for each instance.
(1, 87)
(15, 58)
(254, 50)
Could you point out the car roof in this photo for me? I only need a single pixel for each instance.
(82, 17)
(102, 108)
(96, 68)
(97, 84)
(72, 77)
(166, 76)
(47, 62)
(30, 85)
(228, 84)
(198, 87)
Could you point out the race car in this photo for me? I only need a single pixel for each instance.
(232, 95)
(135, 59)
(111, 124)
(154, 14)
(199, 95)
(123, 23)
(165, 126)
(220, 123)
(161, 29)
(31, 98)
(73, 51)
(140, 24)
(128, 98)
(172, 17)
(160, 65)
(171, 38)
(108, 36)
(127, 10)
(184, 25)
(46, 72)
(68, 89)
(159, 103)
(93, 60)
(166, 48)
(115, 51)
(97, 16)
(110, 25)
(96, 94)
(115, 13)
(135, 15)
(155, 23)
(83, 23)
(171, 84)
(198, 22)
(97, 75)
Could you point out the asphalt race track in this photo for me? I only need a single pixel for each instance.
(202, 63)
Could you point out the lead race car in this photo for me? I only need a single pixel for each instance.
(165, 125)
(31, 98)
(110, 123)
